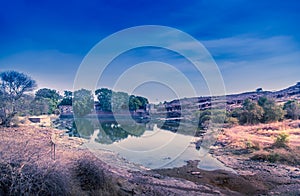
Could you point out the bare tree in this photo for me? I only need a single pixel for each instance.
(13, 85)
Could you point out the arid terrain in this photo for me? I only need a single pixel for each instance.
(262, 165)
(29, 163)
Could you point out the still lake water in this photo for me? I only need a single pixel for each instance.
(147, 144)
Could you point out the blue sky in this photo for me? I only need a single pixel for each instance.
(254, 43)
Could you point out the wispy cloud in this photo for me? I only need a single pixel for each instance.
(271, 62)
(248, 46)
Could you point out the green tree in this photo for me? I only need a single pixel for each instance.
(47, 96)
(233, 116)
(213, 117)
(120, 101)
(104, 97)
(67, 98)
(144, 101)
(251, 113)
(13, 85)
(23, 105)
(40, 106)
(48, 93)
(235, 113)
(204, 119)
(83, 102)
(117, 101)
(292, 109)
(134, 103)
(272, 111)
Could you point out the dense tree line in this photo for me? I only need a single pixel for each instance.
(109, 100)
(17, 98)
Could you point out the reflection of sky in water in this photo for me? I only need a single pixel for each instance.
(159, 148)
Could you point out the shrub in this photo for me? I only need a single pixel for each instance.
(251, 113)
(272, 157)
(292, 109)
(231, 121)
(89, 175)
(19, 178)
(272, 111)
(252, 145)
(278, 156)
(92, 178)
(281, 140)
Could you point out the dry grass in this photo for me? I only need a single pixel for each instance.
(274, 142)
(23, 178)
(28, 167)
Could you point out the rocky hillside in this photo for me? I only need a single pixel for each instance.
(233, 100)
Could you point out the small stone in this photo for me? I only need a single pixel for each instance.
(195, 173)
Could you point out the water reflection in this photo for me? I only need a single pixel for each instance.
(159, 144)
(110, 130)
(83, 128)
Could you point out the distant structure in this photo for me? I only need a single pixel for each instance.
(258, 90)
(66, 111)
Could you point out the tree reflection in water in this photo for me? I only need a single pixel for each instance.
(110, 131)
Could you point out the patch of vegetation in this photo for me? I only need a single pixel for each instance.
(264, 110)
(19, 178)
(272, 157)
(210, 118)
(116, 101)
(271, 111)
(278, 156)
(13, 86)
(292, 109)
(92, 179)
(231, 121)
(45, 102)
(253, 145)
(251, 113)
(281, 141)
